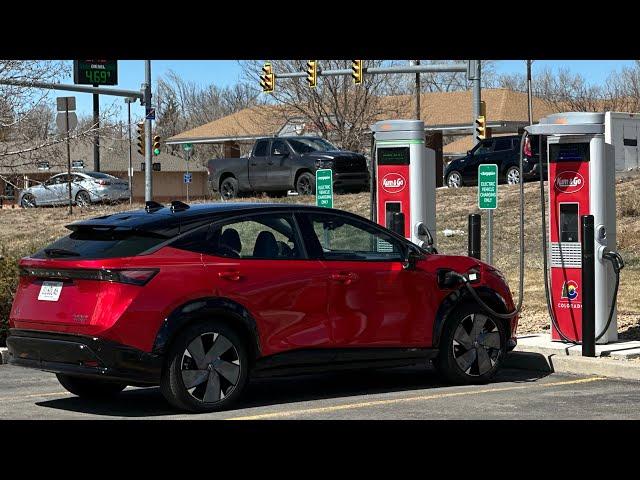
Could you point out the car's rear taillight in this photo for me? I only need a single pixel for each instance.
(527, 147)
(131, 276)
(102, 182)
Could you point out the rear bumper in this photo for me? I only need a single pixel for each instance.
(83, 356)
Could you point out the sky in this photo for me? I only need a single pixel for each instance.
(227, 72)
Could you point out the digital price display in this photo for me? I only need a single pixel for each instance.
(95, 72)
(393, 156)
(569, 152)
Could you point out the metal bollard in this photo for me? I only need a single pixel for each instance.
(474, 236)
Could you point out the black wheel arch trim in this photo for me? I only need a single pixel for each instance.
(459, 297)
(206, 309)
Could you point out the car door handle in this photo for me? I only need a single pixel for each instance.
(345, 278)
(270, 163)
(233, 275)
(254, 164)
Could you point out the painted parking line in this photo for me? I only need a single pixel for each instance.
(376, 403)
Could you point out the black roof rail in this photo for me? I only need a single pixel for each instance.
(150, 206)
(178, 206)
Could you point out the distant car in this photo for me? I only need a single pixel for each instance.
(504, 152)
(86, 188)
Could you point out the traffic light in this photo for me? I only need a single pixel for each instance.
(267, 79)
(312, 73)
(156, 145)
(482, 131)
(141, 142)
(356, 66)
(481, 127)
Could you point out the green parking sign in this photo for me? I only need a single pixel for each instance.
(324, 188)
(488, 187)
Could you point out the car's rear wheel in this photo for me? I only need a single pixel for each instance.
(229, 188)
(28, 201)
(206, 369)
(90, 388)
(472, 346)
(83, 199)
(512, 177)
(306, 184)
(454, 179)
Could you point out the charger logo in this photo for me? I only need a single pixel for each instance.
(570, 290)
(393, 183)
(569, 182)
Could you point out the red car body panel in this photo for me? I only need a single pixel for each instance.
(295, 303)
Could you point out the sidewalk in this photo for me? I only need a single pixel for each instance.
(538, 352)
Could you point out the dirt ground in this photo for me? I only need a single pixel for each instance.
(24, 231)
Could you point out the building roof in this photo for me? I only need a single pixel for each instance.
(438, 110)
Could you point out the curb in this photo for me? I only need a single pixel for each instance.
(4, 355)
(573, 365)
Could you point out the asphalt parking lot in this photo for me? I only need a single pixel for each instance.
(393, 394)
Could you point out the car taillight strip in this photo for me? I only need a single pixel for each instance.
(130, 276)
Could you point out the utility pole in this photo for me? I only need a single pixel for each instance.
(96, 134)
(148, 188)
(66, 113)
(529, 94)
(417, 111)
(129, 101)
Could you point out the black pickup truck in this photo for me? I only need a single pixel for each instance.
(279, 164)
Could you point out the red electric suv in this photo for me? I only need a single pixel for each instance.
(198, 299)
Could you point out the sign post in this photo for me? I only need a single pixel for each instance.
(324, 188)
(66, 121)
(488, 200)
(187, 176)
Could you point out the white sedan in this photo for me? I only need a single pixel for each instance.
(86, 188)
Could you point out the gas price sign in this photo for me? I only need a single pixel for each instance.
(95, 72)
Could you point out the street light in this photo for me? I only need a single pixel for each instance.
(129, 101)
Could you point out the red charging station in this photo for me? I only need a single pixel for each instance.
(581, 182)
(404, 179)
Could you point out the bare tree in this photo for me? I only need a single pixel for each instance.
(336, 108)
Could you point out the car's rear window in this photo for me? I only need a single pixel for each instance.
(97, 244)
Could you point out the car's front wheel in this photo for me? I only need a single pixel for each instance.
(90, 388)
(306, 184)
(206, 369)
(512, 177)
(28, 201)
(454, 179)
(472, 346)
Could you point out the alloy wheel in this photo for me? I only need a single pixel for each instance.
(210, 367)
(304, 186)
(228, 192)
(28, 201)
(82, 199)
(454, 180)
(476, 344)
(513, 176)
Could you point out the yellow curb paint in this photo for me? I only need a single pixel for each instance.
(376, 403)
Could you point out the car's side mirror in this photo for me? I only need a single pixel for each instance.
(410, 259)
(468, 152)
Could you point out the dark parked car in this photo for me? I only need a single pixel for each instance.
(277, 165)
(199, 299)
(503, 151)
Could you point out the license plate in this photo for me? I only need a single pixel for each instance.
(50, 291)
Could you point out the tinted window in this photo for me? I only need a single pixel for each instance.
(261, 148)
(269, 236)
(483, 147)
(347, 239)
(61, 179)
(280, 146)
(93, 243)
(99, 175)
(502, 144)
(306, 145)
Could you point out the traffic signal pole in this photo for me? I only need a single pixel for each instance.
(148, 187)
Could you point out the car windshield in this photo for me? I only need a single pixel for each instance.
(307, 145)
